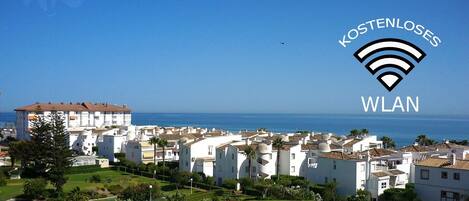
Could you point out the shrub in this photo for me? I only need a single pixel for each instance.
(176, 197)
(182, 178)
(246, 182)
(209, 181)
(197, 178)
(3, 179)
(83, 169)
(96, 178)
(35, 188)
(252, 191)
(76, 195)
(115, 189)
(230, 184)
(140, 192)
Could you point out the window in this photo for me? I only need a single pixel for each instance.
(232, 169)
(326, 180)
(449, 196)
(384, 185)
(232, 156)
(362, 183)
(334, 165)
(187, 151)
(456, 176)
(219, 155)
(187, 164)
(310, 161)
(362, 167)
(293, 156)
(444, 175)
(292, 168)
(424, 174)
(246, 169)
(210, 150)
(254, 169)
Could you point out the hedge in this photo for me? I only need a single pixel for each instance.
(84, 169)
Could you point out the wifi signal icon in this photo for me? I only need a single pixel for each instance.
(389, 79)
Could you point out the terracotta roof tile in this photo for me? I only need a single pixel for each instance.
(444, 163)
(340, 156)
(86, 106)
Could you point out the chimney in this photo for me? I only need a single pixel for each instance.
(247, 141)
(453, 159)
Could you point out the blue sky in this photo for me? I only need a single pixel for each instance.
(222, 56)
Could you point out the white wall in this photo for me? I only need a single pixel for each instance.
(430, 190)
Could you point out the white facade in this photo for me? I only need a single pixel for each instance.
(110, 145)
(76, 115)
(442, 179)
(362, 171)
(361, 143)
(199, 155)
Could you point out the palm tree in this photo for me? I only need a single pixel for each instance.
(278, 144)
(364, 131)
(388, 142)
(354, 132)
(423, 140)
(154, 141)
(250, 154)
(163, 143)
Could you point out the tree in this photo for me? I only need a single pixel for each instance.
(423, 140)
(330, 193)
(462, 142)
(154, 141)
(278, 143)
(3, 179)
(59, 159)
(163, 143)
(34, 188)
(41, 142)
(388, 142)
(364, 131)
(356, 132)
(20, 150)
(250, 154)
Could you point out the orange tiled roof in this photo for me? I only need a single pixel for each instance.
(85, 106)
(340, 155)
(444, 163)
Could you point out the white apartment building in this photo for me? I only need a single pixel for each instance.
(111, 144)
(231, 162)
(76, 115)
(141, 151)
(199, 155)
(440, 179)
(361, 143)
(375, 171)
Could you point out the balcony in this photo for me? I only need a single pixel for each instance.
(381, 168)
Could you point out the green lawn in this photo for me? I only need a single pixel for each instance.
(15, 187)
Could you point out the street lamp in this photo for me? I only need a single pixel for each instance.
(150, 190)
(191, 185)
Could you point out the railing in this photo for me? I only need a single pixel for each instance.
(164, 177)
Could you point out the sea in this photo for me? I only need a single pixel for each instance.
(403, 129)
